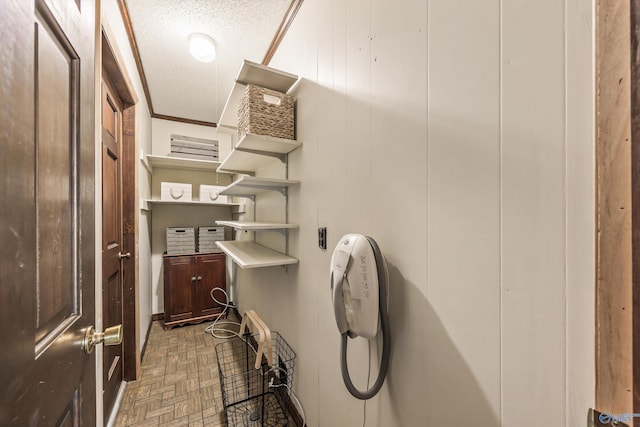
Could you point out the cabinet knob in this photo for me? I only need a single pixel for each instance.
(199, 277)
(193, 279)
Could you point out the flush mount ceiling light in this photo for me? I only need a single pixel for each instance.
(202, 47)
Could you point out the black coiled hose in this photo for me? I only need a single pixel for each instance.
(384, 321)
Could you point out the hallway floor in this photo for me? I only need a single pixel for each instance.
(179, 384)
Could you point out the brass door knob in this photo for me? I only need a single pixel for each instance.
(110, 336)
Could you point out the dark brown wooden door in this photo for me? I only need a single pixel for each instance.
(112, 250)
(47, 222)
(211, 274)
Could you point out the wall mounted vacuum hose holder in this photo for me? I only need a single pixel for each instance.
(360, 291)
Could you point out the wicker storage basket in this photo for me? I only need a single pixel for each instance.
(265, 112)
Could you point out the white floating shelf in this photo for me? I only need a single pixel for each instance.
(168, 162)
(263, 150)
(256, 225)
(243, 162)
(251, 185)
(187, 203)
(248, 254)
(269, 144)
(261, 75)
(252, 73)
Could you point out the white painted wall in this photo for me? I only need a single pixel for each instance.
(460, 136)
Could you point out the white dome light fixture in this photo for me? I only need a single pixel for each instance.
(202, 47)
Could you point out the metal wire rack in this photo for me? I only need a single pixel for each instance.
(255, 397)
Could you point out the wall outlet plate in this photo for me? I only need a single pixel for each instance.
(322, 237)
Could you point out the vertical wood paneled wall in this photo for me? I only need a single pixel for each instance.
(460, 136)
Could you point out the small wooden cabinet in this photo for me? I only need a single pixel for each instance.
(188, 281)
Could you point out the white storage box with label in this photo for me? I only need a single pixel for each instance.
(209, 194)
(181, 240)
(175, 191)
(207, 238)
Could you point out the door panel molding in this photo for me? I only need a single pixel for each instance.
(56, 129)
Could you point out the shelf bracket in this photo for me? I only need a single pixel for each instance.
(233, 284)
(279, 156)
(284, 232)
(277, 189)
(246, 196)
(235, 171)
(281, 190)
(286, 241)
(146, 165)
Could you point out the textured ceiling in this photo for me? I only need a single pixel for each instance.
(179, 85)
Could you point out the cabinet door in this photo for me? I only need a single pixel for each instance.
(179, 280)
(212, 274)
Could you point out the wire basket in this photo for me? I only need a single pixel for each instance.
(264, 410)
(255, 397)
